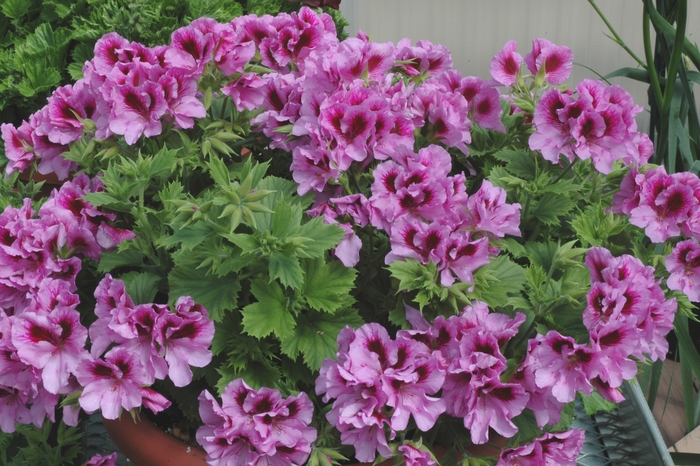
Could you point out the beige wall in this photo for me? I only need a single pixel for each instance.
(475, 30)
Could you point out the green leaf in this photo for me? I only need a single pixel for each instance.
(285, 219)
(287, 269)
(221, 10)
(283, 190)
(633, 73)
(550, 207)
(269, 314)
(219, 172)
(594, 403)
(542, 254)
(161, 163)
(315, 336)
(38, 78)
(497, 280)
(216, 294)
(324, 237)
(520, 164)
(248, 243)
(561, 187)
(113, 259)
(15, 9)
(188, 237)
(512, 246)
(102, 199)
(407, 272)
(142, 287)
(327, 286)
(75, 70)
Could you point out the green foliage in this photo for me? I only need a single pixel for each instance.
(46, 42)
(50, 445)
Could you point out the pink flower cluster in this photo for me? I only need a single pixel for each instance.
(42, 342)
(358, 102)
(598, 124)
(41, 338)
(148, 342)
(460, 357)
(255, 427)
(561, 449)
(379, 382)
(666, 206)
(128, 89)
(627, 316)
(429, 216)
(51, 245)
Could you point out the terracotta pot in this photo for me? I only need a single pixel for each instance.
(146, 445)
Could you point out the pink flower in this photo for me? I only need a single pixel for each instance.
(684, 266)
(553, 134)
(490, 213)
(413, 456)
(111, 384)
(557, 61)
(66, 106)
(190, 49)
(99, 460)
(137, 111)
(18, 146)
(180, 91)
(51, 342)
(486, 109)
(185, 337)
(13, 408)
(664, 203)
(564, 365)
(505, 66)
(108, 52)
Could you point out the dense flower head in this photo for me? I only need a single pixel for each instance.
(460, 358)
(374, 370)
(19, 147)
(166, 342)
(664, 205)
(597, 124)
(256, 427)
(627, 314)
(50, 244)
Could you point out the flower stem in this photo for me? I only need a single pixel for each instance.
(676, 54)
(618, 39)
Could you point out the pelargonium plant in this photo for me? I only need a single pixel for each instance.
(337, 249)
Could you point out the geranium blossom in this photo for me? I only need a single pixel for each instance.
(255, 427)
(684, 266)
(54, 343)
(111, 384)
(505, 66)
(556, 61)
